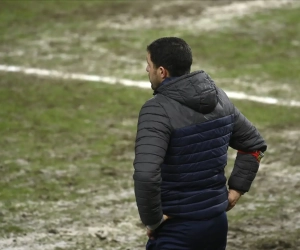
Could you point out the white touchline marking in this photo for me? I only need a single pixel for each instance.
(140, 84)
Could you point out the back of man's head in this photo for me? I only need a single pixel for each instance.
(172, 53)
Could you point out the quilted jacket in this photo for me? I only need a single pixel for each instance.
(181, 148)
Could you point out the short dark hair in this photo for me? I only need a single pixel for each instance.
(172, 53)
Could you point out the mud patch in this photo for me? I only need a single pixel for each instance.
(202, 16)
(101, 214)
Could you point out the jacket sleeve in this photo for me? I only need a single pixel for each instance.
(152, 139)
(249, 143)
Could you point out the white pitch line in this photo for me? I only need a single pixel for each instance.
(140, 84)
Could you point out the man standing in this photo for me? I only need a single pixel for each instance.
(181, 148)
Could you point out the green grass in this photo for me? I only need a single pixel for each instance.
(55, 124)
(264, 46)
(67, 147)
(258, 48)
(270, 116)
(65, 142)
(50, 124)
(72, 141)
(12, 229)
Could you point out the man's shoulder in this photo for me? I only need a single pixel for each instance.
(153, 106)
(154, 102)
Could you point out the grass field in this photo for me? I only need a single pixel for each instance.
(67, 146)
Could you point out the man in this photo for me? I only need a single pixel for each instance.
(181, 151)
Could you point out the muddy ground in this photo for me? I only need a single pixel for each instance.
(70, 196)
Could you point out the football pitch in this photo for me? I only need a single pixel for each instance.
(67, 145)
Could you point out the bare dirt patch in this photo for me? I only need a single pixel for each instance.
(104, 216)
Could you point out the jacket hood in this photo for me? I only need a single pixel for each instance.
(195, 90)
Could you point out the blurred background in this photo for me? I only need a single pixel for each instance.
(68, 122)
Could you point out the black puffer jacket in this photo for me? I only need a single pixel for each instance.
(181, 151)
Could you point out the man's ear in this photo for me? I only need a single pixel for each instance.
(164, 73)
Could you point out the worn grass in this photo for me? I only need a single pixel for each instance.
(67, 151)
(66, 158)
(258, 53)
(51, 124)
(67, 146)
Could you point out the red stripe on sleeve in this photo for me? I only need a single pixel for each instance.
(257, 154)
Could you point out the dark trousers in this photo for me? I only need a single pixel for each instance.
(175, 234)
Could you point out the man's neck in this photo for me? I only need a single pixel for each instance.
(168, 79)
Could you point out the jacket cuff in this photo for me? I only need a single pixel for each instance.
(153, 227)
